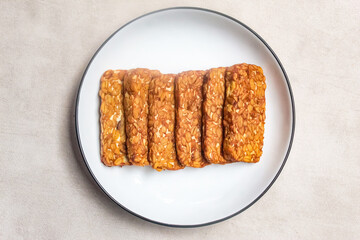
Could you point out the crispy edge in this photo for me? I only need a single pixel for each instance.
(244, 113)
(136, 83)
(162, 152)
(213, 103)
(188, 100)
(112, 128)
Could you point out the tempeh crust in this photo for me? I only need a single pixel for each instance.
(188, 97)
(112, 122)
(162, 153)
(213, 103)
(244, 113)
(136, 83)
(190, 119)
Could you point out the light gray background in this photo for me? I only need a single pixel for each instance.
(45, 189)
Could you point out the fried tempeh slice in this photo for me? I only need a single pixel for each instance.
(188, 98)
(162, 153)
(112, 136)
(136, 85)
(213, 103)
(244, 113)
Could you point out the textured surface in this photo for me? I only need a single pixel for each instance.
(162, 153)
(47, 193)
(212, 108)
(244, 113)
(136, 95)
(188, 98)
(113, 149)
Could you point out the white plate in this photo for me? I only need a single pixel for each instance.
(175, 40)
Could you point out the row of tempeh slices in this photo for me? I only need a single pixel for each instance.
(191, 119)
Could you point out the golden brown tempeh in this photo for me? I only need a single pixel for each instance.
(193, 119)
(244, 113)
(188, 97)
(213, 103)
(162, 153)
(136, 83)
(113, 150)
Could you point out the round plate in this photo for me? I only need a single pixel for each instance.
(174, 40)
